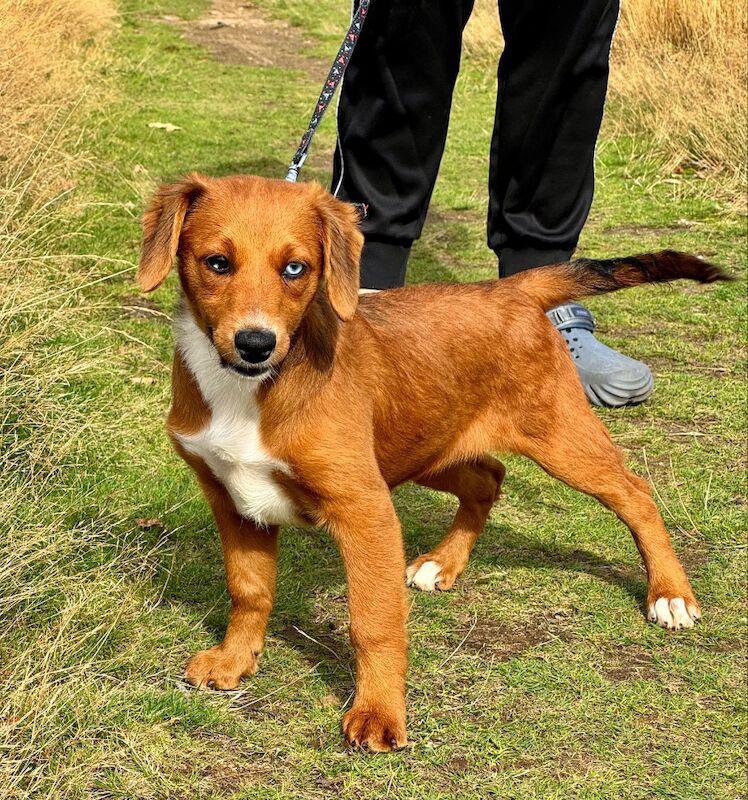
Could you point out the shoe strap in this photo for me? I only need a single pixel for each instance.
(571, 315)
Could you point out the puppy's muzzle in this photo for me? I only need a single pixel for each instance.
(255, 345)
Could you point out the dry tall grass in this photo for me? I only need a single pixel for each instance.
(482, 40)
(678, 75)
(680, 69)
(46, 76)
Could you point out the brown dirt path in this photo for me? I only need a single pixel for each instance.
(236, 32)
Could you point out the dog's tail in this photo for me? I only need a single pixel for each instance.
(560, 283)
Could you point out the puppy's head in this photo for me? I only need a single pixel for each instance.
(253, 256)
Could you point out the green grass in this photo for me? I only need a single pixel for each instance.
(537, 677)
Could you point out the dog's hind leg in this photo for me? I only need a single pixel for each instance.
(477, 486)
(576, 448)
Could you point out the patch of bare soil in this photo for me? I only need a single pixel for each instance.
(509, 641)
(681, 431)
(630, 664)
(223, 766)
(694, 335)
(666, 362)
(331, 785)
(696, 555)
(647, 230)
(237, 32)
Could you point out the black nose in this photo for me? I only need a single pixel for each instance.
(255, 345)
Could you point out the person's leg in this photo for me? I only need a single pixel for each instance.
(552, 82)
(392, 124)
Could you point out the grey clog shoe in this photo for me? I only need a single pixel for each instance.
(609, 378)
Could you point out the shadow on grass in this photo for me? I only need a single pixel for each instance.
(502, 546)
(310, 613)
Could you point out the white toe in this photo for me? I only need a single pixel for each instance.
(425, 577)
(672, 614)
(662, 613)
(679, 613)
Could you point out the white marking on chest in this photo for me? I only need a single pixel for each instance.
(230, 444)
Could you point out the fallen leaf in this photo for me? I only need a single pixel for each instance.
(164, 126)
(149, 523)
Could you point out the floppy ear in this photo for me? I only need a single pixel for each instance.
(341, 244)
(162, 226)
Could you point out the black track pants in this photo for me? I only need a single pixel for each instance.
(394, 113)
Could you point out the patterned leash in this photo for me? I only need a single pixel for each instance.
(328, 90)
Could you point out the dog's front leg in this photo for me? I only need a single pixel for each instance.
(250, 555)
(367, 532)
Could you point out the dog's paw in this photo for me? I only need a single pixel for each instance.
(424, 575)
(673, 613)
(429, 575)
(374, 729)
(218, 668)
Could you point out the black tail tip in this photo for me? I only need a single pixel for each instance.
(701, 269)
(713, 273)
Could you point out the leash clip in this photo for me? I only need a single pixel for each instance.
(293, 169)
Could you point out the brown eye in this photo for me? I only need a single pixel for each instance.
(293, 270)
(219, 264)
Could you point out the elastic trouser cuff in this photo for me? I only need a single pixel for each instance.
(513, 260)
(383, 264)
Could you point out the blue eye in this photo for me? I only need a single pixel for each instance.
(219, 264)
(295, 269)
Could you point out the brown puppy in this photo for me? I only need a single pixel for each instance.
(296, 405)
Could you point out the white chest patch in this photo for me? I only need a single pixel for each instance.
(230, 443)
